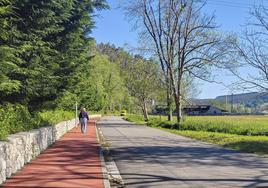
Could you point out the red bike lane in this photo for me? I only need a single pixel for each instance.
(72, 162)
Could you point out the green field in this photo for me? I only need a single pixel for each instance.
(244, 133)
(241, 125)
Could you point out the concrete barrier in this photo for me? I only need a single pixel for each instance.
(22, 147)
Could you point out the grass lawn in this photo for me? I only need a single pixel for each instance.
(243, 133)
(251, 144)
(138, 119)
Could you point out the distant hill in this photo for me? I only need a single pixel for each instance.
(243, 98)
(252, 99)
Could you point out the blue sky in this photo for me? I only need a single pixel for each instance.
(231, 15)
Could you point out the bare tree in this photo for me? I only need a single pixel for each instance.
(251, 64)
(185, 40)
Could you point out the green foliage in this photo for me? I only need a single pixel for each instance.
(48, 61)
(236, 135)
(241, 125)
(142, 82)
(140, 77)
(67, 101)
(123, 113)
(14, 118)
(55, 116)
(252, 144)
(96, 85)
(135, 118)
(17, 118)
(41, 44)
(7, 52)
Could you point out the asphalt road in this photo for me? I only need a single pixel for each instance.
(148, 157)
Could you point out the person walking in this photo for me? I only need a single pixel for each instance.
(83, 118)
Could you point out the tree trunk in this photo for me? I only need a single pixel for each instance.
(169, 100)
(169, 107)
(145, 111)
(110, 106)
(178, 101)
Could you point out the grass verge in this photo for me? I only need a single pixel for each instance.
(138, 119)
(211, 131)
(250, 144)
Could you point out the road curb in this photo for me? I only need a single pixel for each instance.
(106, 181)
(114, 177)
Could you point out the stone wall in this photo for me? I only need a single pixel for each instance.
(22, 147)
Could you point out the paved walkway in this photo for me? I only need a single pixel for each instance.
(72, 162)
(148, 157)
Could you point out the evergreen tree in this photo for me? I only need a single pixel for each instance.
(50, 39)
(7, 52)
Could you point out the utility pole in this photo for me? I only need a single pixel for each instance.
(226, 102)
(232, 105)
(76, 113)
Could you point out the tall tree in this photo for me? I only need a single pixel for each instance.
(7, 52)
(250, 52)
(184, 39)
(51, 39)
(96, 84)
(131, 68)
(142, 81)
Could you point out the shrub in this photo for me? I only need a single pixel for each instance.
(135, 118)
(17, 118)
(14, 118)
(166, 124)
(55, 116)
(153, 122)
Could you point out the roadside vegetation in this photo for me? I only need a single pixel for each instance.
(44, 49)
(244, 133)
(251, 144)
(138, 119)
(17, 118)
(49, 63)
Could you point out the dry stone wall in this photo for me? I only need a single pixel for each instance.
(22, 147)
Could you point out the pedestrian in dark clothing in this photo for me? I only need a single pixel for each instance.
(83, 118)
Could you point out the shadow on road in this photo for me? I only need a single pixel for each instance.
(193, 157)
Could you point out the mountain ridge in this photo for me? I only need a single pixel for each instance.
(248, 99)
